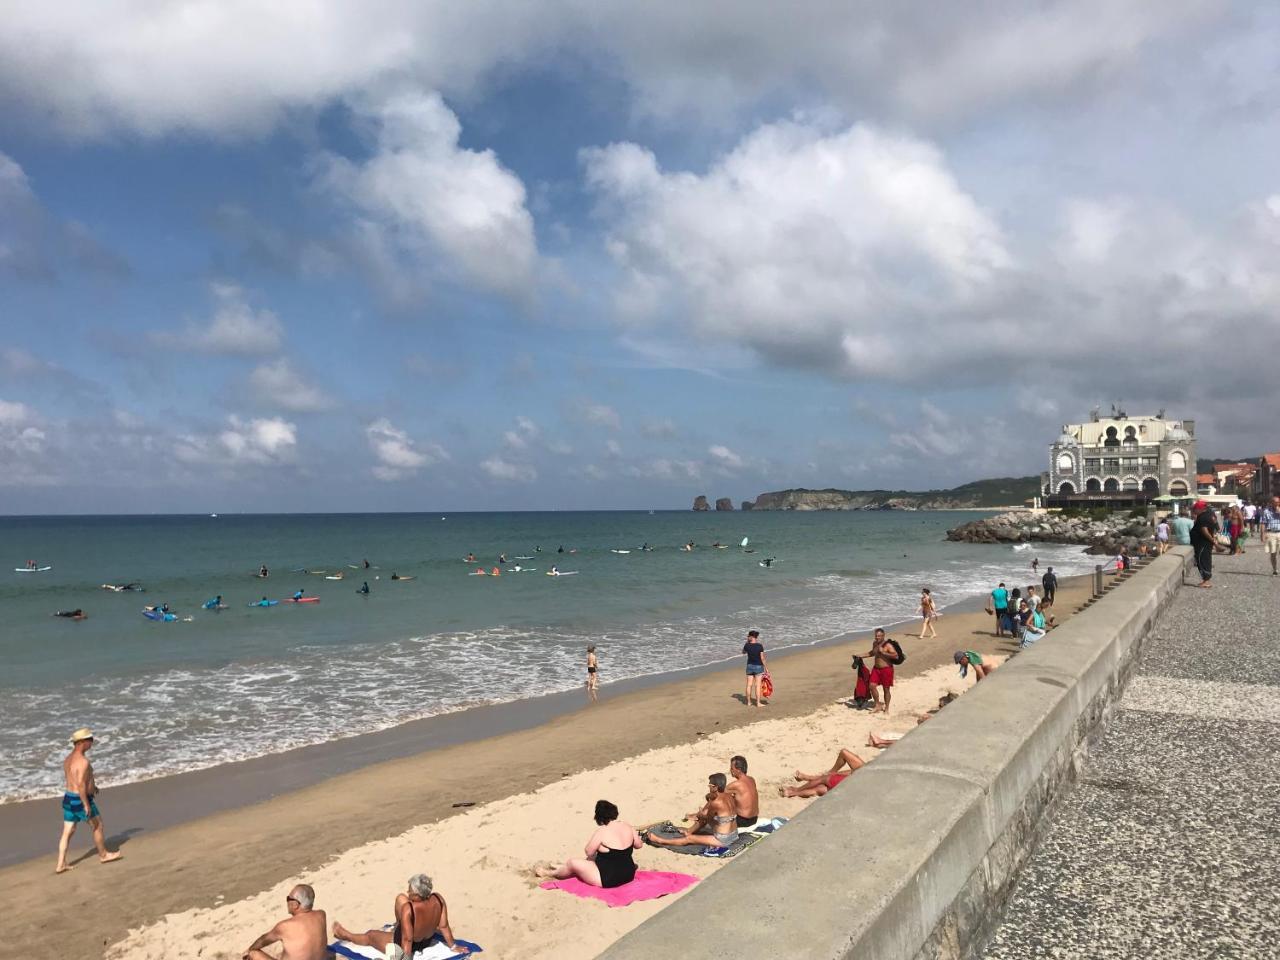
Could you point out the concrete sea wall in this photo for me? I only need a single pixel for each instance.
(912, 858)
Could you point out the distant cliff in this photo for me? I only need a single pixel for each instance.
(1000, 492)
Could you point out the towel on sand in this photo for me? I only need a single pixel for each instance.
(436, 950)
(746, 837)
(648, 885)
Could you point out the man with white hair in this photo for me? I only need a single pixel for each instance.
(78, 802)
(302, 933)
(420, 913)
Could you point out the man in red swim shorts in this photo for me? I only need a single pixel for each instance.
(887, 654)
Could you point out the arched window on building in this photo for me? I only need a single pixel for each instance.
(1066, 463)
(1178, 461)
(1178, 488)
(1130, 437)
(1151, 485)
(1113, 439)
(1093, 485)
(1111, 485)
(1130, 483)
(1067, 488)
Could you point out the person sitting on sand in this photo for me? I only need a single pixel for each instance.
(302, 933)
(608, 862)
(882, 740)
(722, 820)
(744, 793)
(420, 914)
(971, 658)
(817, 784)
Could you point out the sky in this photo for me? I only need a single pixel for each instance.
(589, 254)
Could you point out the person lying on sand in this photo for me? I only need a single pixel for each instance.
(302, 933)
(882, 740)
(744, 793)
(723, 820)
(817, 784)
(420, 914)
(608, 862)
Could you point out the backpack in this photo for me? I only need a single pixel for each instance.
(897, 649)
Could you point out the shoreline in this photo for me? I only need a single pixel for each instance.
(163, 801)
(250, 845)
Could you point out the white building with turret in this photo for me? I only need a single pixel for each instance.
(1122, 457)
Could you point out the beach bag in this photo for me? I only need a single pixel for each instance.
(897, 649)
(766, 686)
(862, 688)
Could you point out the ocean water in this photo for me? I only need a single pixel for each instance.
(243, 682)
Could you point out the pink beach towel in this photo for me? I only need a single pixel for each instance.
(648, 885)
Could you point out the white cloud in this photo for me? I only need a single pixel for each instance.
(94, 66)
(279, 384)
(613, 448)
(663, 429)
(427, 197)
(264, 441)
(235, 329)
(397, 454)
(23, 447)
(505, 470)
(799, 242)
(598, 415)
(525, 433)
(725, 457)
(666, 469)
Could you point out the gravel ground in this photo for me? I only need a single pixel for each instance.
(1169, 846)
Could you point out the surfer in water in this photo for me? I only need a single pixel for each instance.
(297, 595)
(76, 614)
(364, 589)
(470, 558)
(767, 561)
(263, 572)
(555, 571)
(502, 558)
(366, 563)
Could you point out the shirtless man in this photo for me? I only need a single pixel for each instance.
(818, 784)
(420, 914)
(746, 798)
(302, 933)
(882, 672)
(722, 819)
(78, 802)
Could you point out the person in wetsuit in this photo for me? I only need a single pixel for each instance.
(364, 589)
(608, 862)
(420, 914)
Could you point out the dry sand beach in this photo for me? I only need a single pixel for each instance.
(205, 889)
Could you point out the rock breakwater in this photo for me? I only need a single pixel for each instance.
(1106, 535)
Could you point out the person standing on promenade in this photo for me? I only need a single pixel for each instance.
(928, 613)
(1181, 527)
(745, 794)
(754, 650)
(1204, 537)
(1269, 518)
(1050, 583)
(78, 803)
(593, 677)
(1000, 607)
(302, 934)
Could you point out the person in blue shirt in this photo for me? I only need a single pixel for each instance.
(1000, 607)
(297, 595)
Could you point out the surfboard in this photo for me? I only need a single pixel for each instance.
(301, 600)
(745, 541)
(338, 576)
(402, 579)
(31, 569)
(563, 573)
(264, 603)
(619, 551)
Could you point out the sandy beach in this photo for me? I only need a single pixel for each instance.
(207, 887)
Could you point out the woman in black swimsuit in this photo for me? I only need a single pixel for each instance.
(608, 861)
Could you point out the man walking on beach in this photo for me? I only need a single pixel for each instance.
(1000, 606)
(886, 656)
(1204, 537)
(1270, 519)
(78, 802)
(1050, 583)
(746, 798)
(303, 933)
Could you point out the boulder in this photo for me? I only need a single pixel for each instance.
(724, 503)
(700, 503)
(748, 504)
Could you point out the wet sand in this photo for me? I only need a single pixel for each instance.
(252, 844)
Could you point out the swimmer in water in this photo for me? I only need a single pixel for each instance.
(263, 571)
(364, 589)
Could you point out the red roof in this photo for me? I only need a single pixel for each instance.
(1273, 459)
(1206, 478)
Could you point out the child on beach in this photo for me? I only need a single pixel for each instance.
(928, 613)
(593, 677)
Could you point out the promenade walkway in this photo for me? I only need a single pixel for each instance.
(1169, 845)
